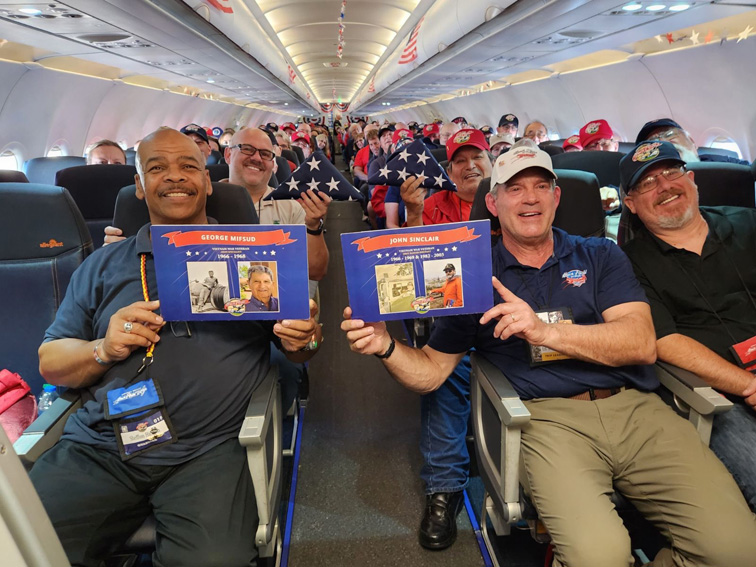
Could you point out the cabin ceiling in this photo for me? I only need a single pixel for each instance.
(283, 54)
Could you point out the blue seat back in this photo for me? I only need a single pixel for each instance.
(43, 169)
(605, 165)
(43, 239)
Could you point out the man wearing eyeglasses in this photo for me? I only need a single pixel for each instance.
(250, 160)
(598, 136)
(697, 267)
(667, 130)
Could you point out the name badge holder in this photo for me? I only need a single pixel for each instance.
(137, 411)
(540, 355)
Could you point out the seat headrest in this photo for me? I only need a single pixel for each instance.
(94, 187)
(12, 176)
(32, 208)
(43, 169)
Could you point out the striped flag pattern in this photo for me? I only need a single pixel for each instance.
(292, 74)
(410, 50)
(371, 86)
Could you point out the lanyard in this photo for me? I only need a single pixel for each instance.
(149, 357)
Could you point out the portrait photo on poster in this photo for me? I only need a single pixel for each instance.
(443, 283)
(258, 283)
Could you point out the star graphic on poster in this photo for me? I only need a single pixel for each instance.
(255, 252)
(380, 256)
(694, 37)
(422, 158)
(404, 154)
(439, 180)
(454, 248)
(744, 34)
(333, 185)
(446, 249)
(272, 252)
(384, 171)
(293, 184)
(402, 174)
(265, 252)
(188, 253)
(196, 253)
(314, 164)
(313, 185)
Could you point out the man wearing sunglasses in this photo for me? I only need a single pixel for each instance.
(697, 267)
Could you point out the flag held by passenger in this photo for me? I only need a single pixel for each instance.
(413, 159)
(317, 173)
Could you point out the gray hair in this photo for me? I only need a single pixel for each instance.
(259, 269)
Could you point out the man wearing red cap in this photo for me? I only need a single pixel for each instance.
(303, 141)
(572, 144)
(597, 135)
(430, 135)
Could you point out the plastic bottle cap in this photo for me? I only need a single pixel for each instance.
(48, 388)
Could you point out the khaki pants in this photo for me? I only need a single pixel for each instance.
(574, 452)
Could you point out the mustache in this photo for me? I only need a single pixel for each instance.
(666, 195)
(176, 187)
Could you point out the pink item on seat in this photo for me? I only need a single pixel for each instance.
(18, 407)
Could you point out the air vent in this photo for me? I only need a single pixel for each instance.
(103, 37)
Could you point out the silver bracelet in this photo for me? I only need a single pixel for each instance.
(97, 358)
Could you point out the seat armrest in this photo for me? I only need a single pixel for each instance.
(691, 390)
(510, 407)
(45, 431)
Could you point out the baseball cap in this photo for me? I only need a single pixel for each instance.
(383, 129)
(194, 129)
(649, 127)
(460, 120)
(449, 268)
(288, 126)
(635, 163)
(216, 132)
(486, 130)
(521, 156)
(572, 141)
(300, 136)
(508, 119)
(466, 137)
(431, 129)
(595, 130)
(271, 126)
(499, 138)
(401, 134)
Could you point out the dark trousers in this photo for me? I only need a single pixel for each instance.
(205, 508)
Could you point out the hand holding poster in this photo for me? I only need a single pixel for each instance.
(429, 271)
(224, 272)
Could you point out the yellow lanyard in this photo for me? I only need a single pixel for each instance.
(149, 357)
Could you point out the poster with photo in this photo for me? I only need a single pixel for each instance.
(428, 271)
(231, 272)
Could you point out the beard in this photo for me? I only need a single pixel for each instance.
(679, 220)
(686, 154)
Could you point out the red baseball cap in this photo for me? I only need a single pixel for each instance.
(595, 130)
(288, 126)
(431, 129)
(466, 137)
(572, 141)
(401, 134)
(300, 136)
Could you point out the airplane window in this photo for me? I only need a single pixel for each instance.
(8, 160)
(56, 151)
(726, 144)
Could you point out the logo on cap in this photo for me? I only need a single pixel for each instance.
(593, 127)
(509, 117)
(461, 137)
(646, 152)
(520, 154)
(573, 139)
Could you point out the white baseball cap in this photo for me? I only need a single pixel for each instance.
(521, 156)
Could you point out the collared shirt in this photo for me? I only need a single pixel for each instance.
(257, 305)
(445, 206)
(685, 289)
(452, 290)
(207, 370)
(279, 211)
(588, 275)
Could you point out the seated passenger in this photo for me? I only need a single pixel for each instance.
(500, 143)
(367, 154)
(225, 139)
(595, 424)
(667, 130)
(597, 135)
(487, 132)
(303, 141)
(508, 124)
(106, 152)
(260, 281)
(200, 137)
(572, 144)
(430, 135)
(448, 129)
(537, 132)
(190, 470)
(697, 268)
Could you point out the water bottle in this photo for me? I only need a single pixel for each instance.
(46, 398)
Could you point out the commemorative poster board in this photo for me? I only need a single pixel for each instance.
(231, 272)
(428, 271)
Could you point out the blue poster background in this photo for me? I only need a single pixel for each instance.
(186, 255)
(391, 273)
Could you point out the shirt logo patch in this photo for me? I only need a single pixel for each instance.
(593, 127)
(575, 278)
(646, 152)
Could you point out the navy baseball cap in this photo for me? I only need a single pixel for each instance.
(649, 127)
(195, 129)
(508, 119)
(384, 129)
(635, 163)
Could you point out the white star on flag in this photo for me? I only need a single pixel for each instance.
(293, 184)
(422, 158)
(404, 155)
(333, 185)
(313, 185)
(314, 164)
(439, 180)
(403, 174)
(384, 171)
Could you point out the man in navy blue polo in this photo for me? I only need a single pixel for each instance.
(572, 330)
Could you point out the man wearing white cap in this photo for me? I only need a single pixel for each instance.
(595, 426)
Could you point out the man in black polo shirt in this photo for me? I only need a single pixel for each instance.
(98, 484)
(698, 268)
(595, 427)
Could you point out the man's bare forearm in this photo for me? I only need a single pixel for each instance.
(70, 363)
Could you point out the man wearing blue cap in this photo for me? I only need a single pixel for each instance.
(200, 137)
(697, 267)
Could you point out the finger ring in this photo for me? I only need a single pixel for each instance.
(514, 320)
(127, 326)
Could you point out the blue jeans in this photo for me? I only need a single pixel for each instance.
(445, 413)
(733, 440)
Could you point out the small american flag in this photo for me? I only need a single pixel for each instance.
(371, 86)
(292, 75)
(410, 50)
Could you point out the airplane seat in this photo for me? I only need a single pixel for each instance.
(718, 152)
(625, 147)
(721, 183)
(300, 154)
(551, 148)
(12, 176)
(479, 211)
(94, 189)
(604, 164)
(130, 156)
(439, 154)
(228, 204)
(291, 155)
(284, 171)
(217, 171)
(43, 169)
(214, 158)
(580, 211)
(43, 239)
(498, 416)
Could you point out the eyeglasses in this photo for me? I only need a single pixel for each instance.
(604, 143)
(665, 136)
(652, 181)
(247, 150)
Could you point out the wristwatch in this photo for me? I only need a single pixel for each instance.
(318, 231)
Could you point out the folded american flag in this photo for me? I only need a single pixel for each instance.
(413, 159)
(317, 173)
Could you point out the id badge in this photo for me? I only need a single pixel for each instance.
(133, 399)
(544, 355)
(143, 432)
(745, 353)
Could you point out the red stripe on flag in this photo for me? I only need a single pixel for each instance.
(410, 50)
(219, 5)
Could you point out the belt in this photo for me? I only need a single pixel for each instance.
(598, 393)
